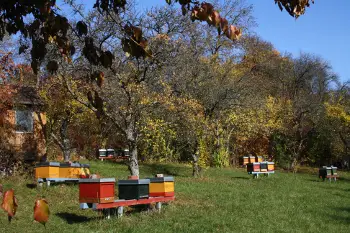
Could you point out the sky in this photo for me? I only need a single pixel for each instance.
(323, 30)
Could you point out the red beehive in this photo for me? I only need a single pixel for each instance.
(253, 167)
(96, 190)
(256, 167)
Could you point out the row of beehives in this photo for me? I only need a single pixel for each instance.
(102, 190)
(250, 159)
(61, 170)
(261, 167)
(113, 153)
(327, 171)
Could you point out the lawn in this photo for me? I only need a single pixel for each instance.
(223, 200)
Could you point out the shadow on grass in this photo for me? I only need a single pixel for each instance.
(73, 218)
(241, 177)
(341, 217)
(316, 180)
(31, 186)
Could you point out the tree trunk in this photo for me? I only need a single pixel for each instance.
(195, 166)
(131, 135)
(66, 154)
(66, 148)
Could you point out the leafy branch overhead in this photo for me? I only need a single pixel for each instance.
(294, 7)
(49, 27)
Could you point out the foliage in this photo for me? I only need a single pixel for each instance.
(157, 140)
(41, 211)
(9, 203)
(294, 7)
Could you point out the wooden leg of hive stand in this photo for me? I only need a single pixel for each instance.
(120, 211)
(158, 206)
(107, 213)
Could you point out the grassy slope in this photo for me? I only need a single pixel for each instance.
(224, 200)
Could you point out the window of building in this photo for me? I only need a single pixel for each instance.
(24, 121)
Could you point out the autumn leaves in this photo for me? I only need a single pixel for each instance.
(10, 205)
(206, 12)
(295, 8)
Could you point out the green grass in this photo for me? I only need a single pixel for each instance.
(223, 200)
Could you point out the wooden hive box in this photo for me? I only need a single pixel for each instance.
(110, 153)
(263, 166)
(102, 152)
(251, 159)
(325, 171)
(96, 190)
(47, 170)
(76, 170)
(253, 167)
(245, 160)
(334, 171)
(259, 159)
(161, 186)
(270, 166)
(70, 170)
(133, 189)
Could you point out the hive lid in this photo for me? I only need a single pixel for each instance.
(85, 165)
(65, 165)
(270, 162)
(102, 180)
(47, 164)
(162, 179)
(75, 165)
(102, 150)
(110, 149)
(139, 181)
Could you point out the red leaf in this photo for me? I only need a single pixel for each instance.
(41, 211)
(9, 203)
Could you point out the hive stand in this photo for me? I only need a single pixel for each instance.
(256, 174)
(117, 207)
(55, 180)
(330, 177)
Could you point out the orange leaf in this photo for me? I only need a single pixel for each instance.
(41, 211)
(9, 203)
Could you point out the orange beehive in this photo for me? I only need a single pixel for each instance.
(245, 160)
(251, 159)
(161, 186)
(259, 159)
(96, 190)
(270, 166)
(47, 170)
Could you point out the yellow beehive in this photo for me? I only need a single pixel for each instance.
(70, 170)
(270, 166)
(259, 159)
(251, 159)
(245, 160)
(47, 170)
(161, 186)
